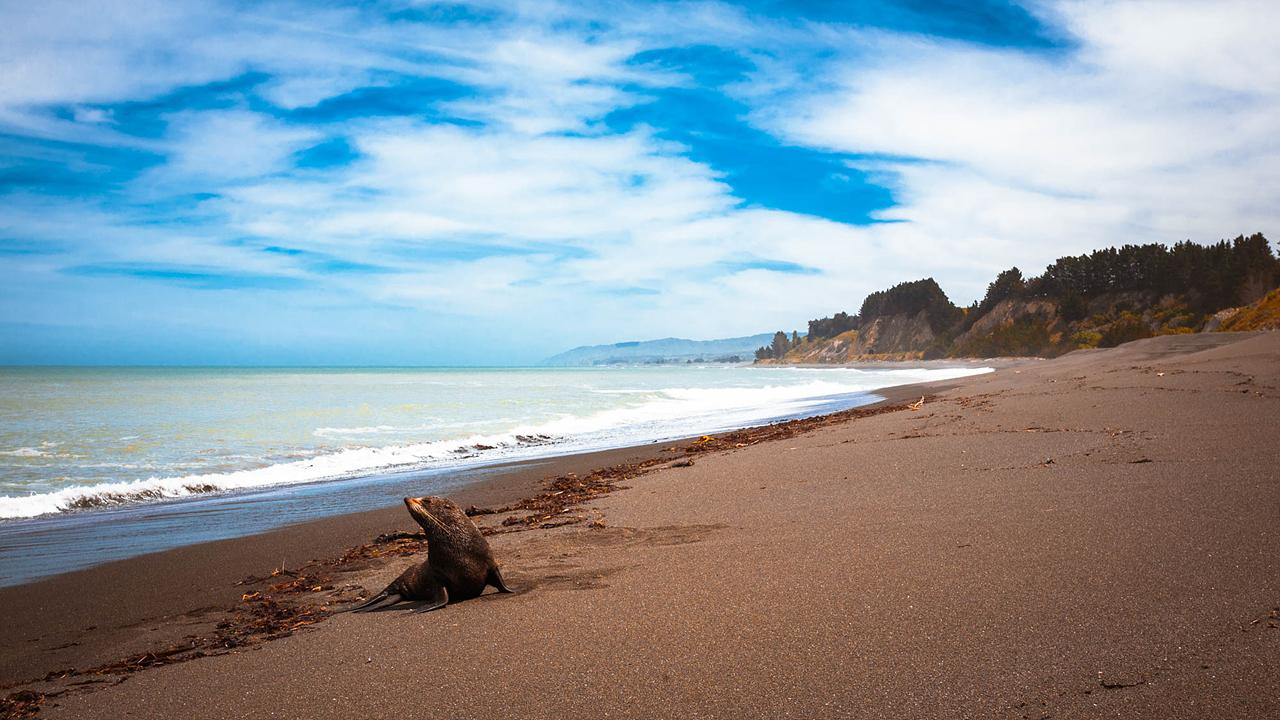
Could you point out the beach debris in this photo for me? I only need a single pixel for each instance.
(399, 535)
(1272, 617)
(535, 439)
(682, 463)
(22, 704)
(397, 544)
(917, 404)
(134, 663)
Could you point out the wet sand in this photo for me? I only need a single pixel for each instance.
(1095, 536)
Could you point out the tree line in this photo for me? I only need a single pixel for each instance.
(780, 345)
(1208, 278)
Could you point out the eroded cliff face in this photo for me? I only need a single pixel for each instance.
(891, 337)
(895, 334)
(1008, 312)
(838, 349)
(1013, 327)
(1029, 327)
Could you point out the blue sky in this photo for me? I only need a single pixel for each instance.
(493, 182)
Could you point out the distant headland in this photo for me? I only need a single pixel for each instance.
(662, 352)
(1102, 299)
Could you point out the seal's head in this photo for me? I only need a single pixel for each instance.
(437, 515)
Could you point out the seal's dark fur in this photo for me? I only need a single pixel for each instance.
(459, 562)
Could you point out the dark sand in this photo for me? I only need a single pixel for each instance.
(1095, 536)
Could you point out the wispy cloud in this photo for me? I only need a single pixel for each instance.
(1158, 125)
(354, 183)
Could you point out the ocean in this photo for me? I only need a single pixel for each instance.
(98, 463)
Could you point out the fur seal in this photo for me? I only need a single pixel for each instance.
(459, 562)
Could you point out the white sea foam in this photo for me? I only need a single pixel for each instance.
(31, 452)
(364, 430)
(24, 452)
(345, 432)
(673, 412)
(329, 466)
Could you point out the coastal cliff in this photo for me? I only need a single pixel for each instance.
(892, 337)
(1103, 299)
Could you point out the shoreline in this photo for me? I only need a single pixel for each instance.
(143, 528)
(71, 624)
(1044, 529)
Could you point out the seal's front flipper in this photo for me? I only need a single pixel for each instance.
(439, 599)
(495, 579)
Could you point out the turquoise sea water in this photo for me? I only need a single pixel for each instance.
(110, 447)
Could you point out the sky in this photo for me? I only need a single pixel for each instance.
(418, 183)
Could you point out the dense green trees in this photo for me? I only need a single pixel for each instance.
(779, 346)
(1212, 277)
(908, 298)
(832, 326)
(1209, 277)
(1008, 284)
(912, 298)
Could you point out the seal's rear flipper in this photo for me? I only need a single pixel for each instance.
(439, 599)
(381, 600)
(495, 579)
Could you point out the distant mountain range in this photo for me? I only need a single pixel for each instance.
(666, 350)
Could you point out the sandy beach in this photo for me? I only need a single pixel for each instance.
(1093, 536)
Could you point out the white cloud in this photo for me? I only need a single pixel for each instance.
(210, 149)
(1160, 125)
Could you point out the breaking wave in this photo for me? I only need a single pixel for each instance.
(643, 416)
(329, 466)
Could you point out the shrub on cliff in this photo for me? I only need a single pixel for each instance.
(1027, 335)
(841, 322)
(1125, 328)
(1262, 315)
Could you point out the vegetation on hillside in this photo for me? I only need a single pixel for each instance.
(1102, 299)
(779, 347)
(913, 298)
(1262, 315)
